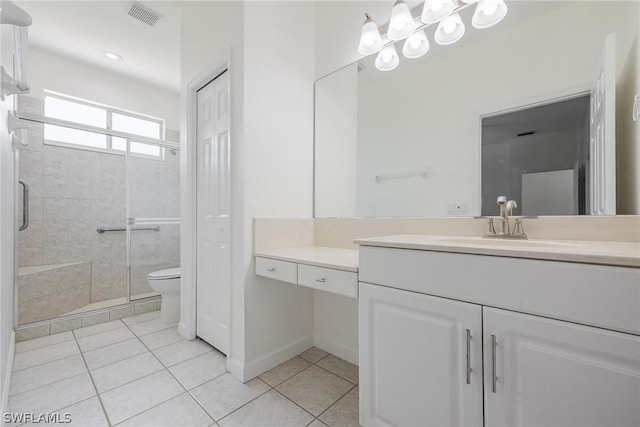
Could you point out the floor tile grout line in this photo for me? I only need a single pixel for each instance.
(324, 369)
(106, 345)
(149, 333)
(44, 346)
(120, 360)
(45, 385)
(334, 403)
(294, 402)
(200, 404)
(298, 373)
(185, 360)
(176, 379)
(339, 376)
(209, 380)
(146, 321)
(136, 315)
(95, 333)
(246, 403)
(50, 361)
(289, 377)
(129, 382)
(95, 388)
(153, 407)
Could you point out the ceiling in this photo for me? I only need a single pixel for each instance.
(543, 119)
(83, 30)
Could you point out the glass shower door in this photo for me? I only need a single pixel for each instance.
(153, 212)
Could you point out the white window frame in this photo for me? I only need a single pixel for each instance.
(109, 111)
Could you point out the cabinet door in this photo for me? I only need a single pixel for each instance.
(553, 373)
(413, 359)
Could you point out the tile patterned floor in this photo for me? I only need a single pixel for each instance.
(139, 372)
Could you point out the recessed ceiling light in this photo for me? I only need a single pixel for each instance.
(113, 56)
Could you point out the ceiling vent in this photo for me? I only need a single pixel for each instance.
(142, 13)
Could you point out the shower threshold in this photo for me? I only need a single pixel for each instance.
(109, 303)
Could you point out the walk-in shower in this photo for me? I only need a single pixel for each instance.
(99, 207)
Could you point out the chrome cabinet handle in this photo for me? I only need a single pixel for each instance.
(272, 269)
(25, 205)
(494, 378)
(468, 358)
(321, 280)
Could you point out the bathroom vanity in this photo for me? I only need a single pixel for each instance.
(333, 270)
(466, 331)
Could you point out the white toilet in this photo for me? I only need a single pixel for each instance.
(167, 283)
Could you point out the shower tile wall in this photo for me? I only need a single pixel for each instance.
(75, 191)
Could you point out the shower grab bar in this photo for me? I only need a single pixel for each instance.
(109, 229)
(25, 205)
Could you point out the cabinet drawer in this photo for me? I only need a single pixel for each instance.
(328, 279)
(279, 270)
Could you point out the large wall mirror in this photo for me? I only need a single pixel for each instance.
(515, 110)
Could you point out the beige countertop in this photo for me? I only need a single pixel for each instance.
(336, 258)
(589, 252)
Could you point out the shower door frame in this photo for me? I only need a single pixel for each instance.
(131, 221)
(37, 118)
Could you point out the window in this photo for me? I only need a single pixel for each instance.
(86, 113)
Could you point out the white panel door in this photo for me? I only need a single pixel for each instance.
(213, 223)
(553, 373)
(602, 160)
(414, 359)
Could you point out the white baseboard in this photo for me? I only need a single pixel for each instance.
(185, 331)
(343, 352)
(236, 368)
(273, 359)
(4, 404)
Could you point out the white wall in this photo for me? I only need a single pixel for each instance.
(52, 72)
(272, 138)
(335, 324)
(212, 32)
(336, 137)
(279, 77)
(337, 31)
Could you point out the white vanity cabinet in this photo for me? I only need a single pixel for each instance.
(420, 359)
(333, 270)
(545, 372)
(416, 307)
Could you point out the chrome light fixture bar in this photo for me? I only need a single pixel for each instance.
(403, 26)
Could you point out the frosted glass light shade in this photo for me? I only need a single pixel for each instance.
(435, 10)
(401, 24)
(450, 30)
(488, 13)
(370, 40)
(416, 45)
(387, 58)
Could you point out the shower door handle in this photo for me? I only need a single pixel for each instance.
(25, 205)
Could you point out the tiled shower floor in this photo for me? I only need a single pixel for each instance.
(139, 372)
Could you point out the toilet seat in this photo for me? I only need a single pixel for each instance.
(170, 273)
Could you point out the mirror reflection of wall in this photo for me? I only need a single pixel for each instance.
(539, 156)
(420, 124)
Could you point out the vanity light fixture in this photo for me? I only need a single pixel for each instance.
(435, 10)
(416, 45)
(402, 25)
(450, 30)
(488, 13)
(387, 59)
(113, 56)
(370, 39)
